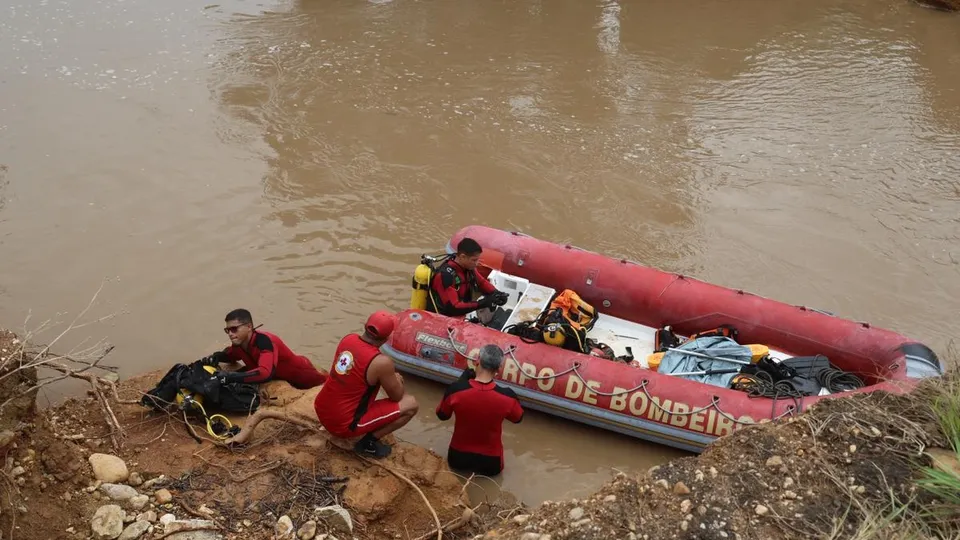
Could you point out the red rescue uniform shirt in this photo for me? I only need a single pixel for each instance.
(270, 358)
(480, 409)
(346, 405)
(452, 289)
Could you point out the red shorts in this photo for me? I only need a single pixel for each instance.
(380, 413)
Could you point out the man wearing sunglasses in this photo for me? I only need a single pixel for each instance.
(264, 356)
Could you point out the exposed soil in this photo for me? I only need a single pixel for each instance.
(815, 476)
(16, 385)
(819, 475)
(284, 470)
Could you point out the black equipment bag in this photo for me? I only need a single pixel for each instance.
(232, 397)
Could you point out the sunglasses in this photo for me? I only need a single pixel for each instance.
(233, 329)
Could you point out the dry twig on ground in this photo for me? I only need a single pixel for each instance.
(247, 432)
(245, 477)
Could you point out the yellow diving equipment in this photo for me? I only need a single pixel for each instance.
(553, 335)
(189, 400)
(421, 286)
(186, 395)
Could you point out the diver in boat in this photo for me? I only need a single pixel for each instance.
(347, 405)
(456, 282)
(264, 356)
(481, 406)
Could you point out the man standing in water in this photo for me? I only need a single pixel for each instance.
(265, 357)
(347, 405)
(480, 406)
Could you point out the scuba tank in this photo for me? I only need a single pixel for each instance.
(421, 286)
(553, 334)
(218, 425)
(188, 397)
(422, 275)
(559, 332)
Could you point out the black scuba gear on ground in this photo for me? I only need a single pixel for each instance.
(229, 397)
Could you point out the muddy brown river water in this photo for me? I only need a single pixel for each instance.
(296, 158)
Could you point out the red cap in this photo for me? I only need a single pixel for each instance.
(380, 324)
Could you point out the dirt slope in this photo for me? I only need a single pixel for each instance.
(826, 474)
(284, 470)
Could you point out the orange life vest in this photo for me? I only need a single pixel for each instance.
(578, 313)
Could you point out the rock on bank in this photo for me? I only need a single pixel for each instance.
(64, 478)
(828, 473)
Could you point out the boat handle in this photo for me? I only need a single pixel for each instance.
(815, 310)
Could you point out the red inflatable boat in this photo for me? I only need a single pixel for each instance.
(625, 390)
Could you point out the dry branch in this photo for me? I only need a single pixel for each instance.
(452, 525)
(468, 515)
(79, 363)
(247, 432)
(190, 510)
(116, 431)
(39, 356)
(29, 357)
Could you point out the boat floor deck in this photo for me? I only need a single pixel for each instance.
(528, 300)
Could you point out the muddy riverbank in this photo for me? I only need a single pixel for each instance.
(104, 466)
(847, 468)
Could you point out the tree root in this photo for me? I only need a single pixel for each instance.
(452, 525)
(246, 433)
(467, 517)
(423, 496)
(187, 530)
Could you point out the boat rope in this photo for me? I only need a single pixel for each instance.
(836, 380)
(714, 401)
(761, 384)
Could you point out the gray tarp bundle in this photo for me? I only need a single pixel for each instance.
(678, 362)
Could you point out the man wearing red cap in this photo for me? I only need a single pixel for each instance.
(347, 406)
